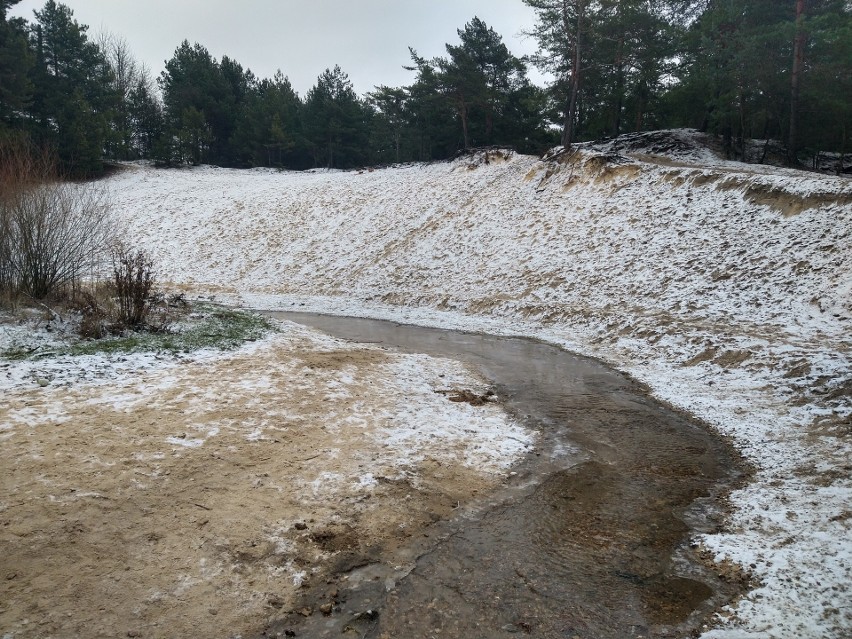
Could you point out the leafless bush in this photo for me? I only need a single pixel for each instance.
(95, 315)
(133, 277)
(52, 232)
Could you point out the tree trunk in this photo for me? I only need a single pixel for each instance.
(741, 127)
(619, 70)
(463, 116)
(568, 126)
(640, 115)
(619, 87)
(795, 82)
(765, 142)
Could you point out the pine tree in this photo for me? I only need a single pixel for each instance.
(562, 29)
(463, 85)
(479, 75)
(428, 112)
(235, 86)
(15, 64)
(147, 121)
(754, 69)
(629, 51)
(824, 107)
(741, 50)
(269, 131)
(481, 87)
(389, 123)
(72, 98)
(335, 121)
(191, 85)
(820, 77)
(609, 59)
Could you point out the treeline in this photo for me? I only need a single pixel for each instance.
(92, 101)
(768, 69)
(739, 69)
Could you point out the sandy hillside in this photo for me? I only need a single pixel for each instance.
(726, 287)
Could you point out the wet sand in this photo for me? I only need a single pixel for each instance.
(590, 536)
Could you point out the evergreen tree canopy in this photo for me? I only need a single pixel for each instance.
(269, 129)
(192, 88)
(739, 64)
(335, 121)
(429, 113)
(482, 89)
(15, 63)
(479, 76)
(389, 123)
(73, 95)
(769, 69)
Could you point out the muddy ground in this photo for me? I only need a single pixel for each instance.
(197, 499)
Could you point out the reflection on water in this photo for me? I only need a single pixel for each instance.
(594, 547)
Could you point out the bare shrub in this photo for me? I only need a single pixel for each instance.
(52, 232)
(133, 277)
(96, 316)
(165, 310)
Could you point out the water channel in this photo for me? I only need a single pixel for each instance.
(589, 539)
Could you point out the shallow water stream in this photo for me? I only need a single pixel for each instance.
(588, 538)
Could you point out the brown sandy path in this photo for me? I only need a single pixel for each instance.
(166, 504)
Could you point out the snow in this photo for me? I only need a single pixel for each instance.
(727, 288)
(416, 424)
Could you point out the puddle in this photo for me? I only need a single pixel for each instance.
(589, 539)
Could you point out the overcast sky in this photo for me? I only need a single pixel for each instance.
(369, 39)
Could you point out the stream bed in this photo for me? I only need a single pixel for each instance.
(588, 538)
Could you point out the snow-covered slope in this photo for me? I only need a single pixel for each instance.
(726, 287)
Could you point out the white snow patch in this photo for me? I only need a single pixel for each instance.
(725, 287)
(185, 442)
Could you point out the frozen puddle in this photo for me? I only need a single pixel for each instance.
(590, 535)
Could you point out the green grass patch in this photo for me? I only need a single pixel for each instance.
(205, 326)
(208, 326)
(16, 354)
